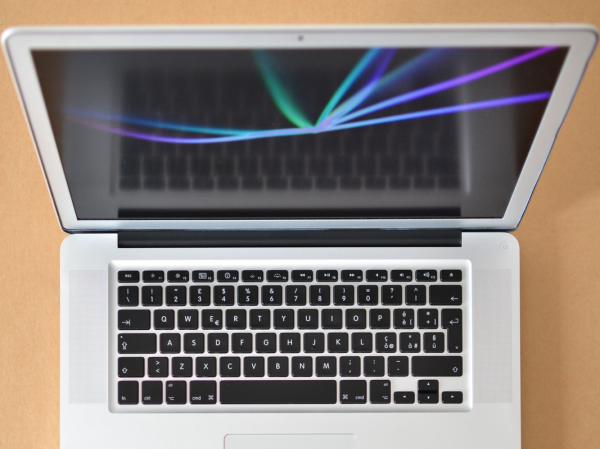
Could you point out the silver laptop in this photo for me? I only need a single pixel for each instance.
(293, 237)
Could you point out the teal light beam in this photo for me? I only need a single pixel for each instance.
(358, 70)
(278, 92)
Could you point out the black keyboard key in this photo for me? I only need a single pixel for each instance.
(402, 276)
(128, 392)
(128, 296)
(452, 397)
(377, 275)
(350, 366)
(241, 343)
(278, 367)
(206, 367)
(254, 367)
(391, 295)
(283, 319)
(437, 366)
(343, 295)
(252, 276)
(374, 366)
(203, 392)
(235, 319)
(212, 319)
(356, 319)
(152, 296)
(137, 344)
(428, 386)
(433, 342)
(314, 343)
(272, 295)
(380, 392)
(295, 295)
(158, 366)
(224, 295)
(404, 319)
(308, 319)
(410, 342)
(352, 275)
(428, 398)
(203, 276)
(302, 366)
(176, 392)
(200, 295)
(152, 392)
(362, 342)
(181, 367)
(131, 367)
(193, 343)
(426, 275)
(218, 343)
(153, 276)
(129, 276)
(415, 295)
(404, 397)
(170, 343)
(178, 276)
(327, 275)
(187, 319)
(266, 343)
(289, 343)
(228, 275)
(247, 295)
(176, 295)
(331, 319)
(450, 276)
(277, 276)
(379, 318)
(134, 319)
(302, 276)
(320, 295)
(385, 342)
(398, 366)
(452, 320)
(337, 342)
(427, 319)
(368, 295)
(260, 319)
(353, 391)
(445, 295)
(278, 392)
(326, 366)
(229, 367)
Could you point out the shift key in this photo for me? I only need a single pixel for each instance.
(137, 343)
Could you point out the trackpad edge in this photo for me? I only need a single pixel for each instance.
(291, 441)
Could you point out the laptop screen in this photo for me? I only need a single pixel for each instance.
(305, 134)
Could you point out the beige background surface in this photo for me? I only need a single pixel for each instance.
(559, 236)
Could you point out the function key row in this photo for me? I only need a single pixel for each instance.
(295, 295)
(156, 276)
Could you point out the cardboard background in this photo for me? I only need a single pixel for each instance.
(559, 236)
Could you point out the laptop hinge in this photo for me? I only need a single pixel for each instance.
(291, 238)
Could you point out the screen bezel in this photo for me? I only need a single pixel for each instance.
(19, 44)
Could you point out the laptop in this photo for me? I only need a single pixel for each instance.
(289, 237)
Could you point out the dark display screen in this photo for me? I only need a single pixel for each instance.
(327, 133)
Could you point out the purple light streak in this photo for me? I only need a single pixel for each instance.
(445, 85)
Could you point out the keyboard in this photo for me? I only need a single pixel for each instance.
(266, 336)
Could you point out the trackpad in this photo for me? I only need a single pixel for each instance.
(344, 441)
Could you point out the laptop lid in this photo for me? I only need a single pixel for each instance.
(295, 128)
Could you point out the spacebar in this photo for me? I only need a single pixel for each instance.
(278, 392)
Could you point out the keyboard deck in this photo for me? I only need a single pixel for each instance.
(269, 336)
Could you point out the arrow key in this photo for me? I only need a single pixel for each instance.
(452, 397)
